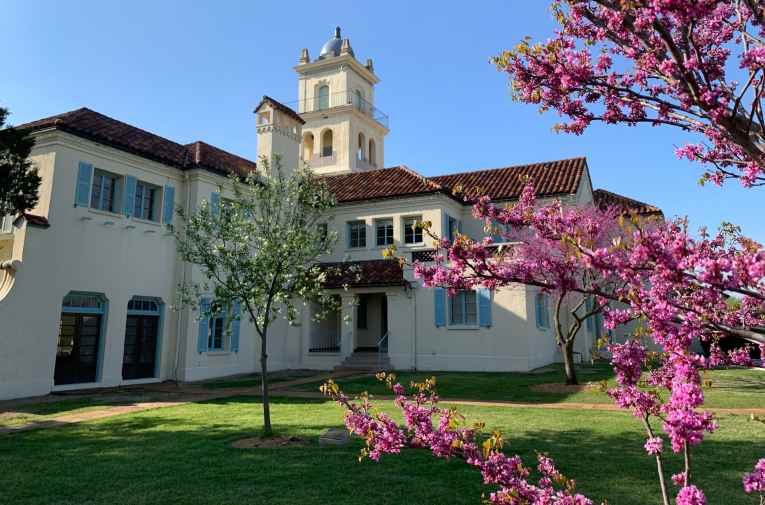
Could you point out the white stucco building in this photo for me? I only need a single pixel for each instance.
(88, 278)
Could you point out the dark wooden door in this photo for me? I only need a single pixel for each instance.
(77, 353)
(139, 358)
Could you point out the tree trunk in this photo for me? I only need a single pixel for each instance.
(264, 385)
(567, 349)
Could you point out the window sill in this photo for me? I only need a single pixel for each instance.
(463, 327)
(219, 353)
(146, 222)
(104, 213)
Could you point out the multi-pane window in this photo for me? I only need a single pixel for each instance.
(215, 338)
(323, 232)
(412, 233)
(384, 230)
(542, 310)
(463, 309)
(453, 228)
(357, 234)
(104, 191)
(145, 198)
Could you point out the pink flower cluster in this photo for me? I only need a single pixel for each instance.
(754, 482)
(637, 62)
(653, 271)
(428, 426)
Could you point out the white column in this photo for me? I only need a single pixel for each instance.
(347, 324)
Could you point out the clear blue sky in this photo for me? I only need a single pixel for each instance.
(194, 70)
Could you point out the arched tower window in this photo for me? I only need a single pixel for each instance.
(326, 143)
(361, 150)
(308, 146)
(358, 100)
(322, 97)
(372, 153)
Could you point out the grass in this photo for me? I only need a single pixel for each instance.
(181, 455)
(254, 380)
(733, 388)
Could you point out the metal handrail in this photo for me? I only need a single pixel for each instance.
(382, 344)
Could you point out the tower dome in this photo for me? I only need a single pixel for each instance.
(332, 46)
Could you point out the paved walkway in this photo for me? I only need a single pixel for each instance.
(189, 393)
(180, 394)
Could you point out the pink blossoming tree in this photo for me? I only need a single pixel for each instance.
(660, 62)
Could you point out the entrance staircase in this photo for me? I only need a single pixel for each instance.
(367, 361)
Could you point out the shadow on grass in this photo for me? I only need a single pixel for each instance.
(182, 455)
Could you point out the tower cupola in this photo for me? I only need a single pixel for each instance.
(332, 47)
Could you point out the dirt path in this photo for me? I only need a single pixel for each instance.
(517, 405)
(181, 395)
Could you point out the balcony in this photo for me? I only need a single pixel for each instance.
(318, 160)
(363, 164)
(337, 100)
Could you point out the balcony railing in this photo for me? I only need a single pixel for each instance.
(340, 99)
(6, 224)
(322, 161)
(362, 164)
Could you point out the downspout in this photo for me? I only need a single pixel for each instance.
(183, 277)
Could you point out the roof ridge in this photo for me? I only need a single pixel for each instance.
(523, 165)
(433, 184)
(624, 197)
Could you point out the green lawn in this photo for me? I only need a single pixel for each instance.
(181, 455)
(734, 388)
(253, 380)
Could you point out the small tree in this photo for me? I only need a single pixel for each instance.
(19, 180)
(259, 251)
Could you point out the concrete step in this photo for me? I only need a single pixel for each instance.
(367, 361)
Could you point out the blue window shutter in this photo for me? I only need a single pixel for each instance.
(590, 320)
(459, 226)
(128, 197)
(538, 309)
(235, 327)
(445, 225)
(215, 203)
(204, 325)
(439, 298)
(496, 237)
(484, 307)
(168, 205)
(82, 193)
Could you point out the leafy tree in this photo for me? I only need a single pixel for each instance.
(19, 180)
(259, 251)
(663, 63)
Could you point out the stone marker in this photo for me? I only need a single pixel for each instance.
(334, 436)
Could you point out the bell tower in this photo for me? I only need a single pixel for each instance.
(343, 130)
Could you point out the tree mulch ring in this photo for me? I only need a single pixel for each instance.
(269, 442)
(564, 388)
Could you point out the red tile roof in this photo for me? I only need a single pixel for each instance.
(279, 106)
(606, 199)
(94, 126)
(395, 182)
(371, 273)
(549, 178)
(216, 159)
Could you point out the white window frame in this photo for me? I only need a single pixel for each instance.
(408, 221)
(465, 303)
(362, 237)
(116, 191)
(141, 186)
(386, 221)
